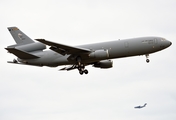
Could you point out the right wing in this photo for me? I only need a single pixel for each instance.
(63, 49)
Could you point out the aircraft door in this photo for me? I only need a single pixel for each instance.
(126, 44)
(156, 41)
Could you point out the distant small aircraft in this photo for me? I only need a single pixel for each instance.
(141, 106)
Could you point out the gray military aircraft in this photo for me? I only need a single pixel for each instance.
(98, 54)
(141, 106)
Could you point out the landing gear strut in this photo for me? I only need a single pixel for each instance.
(81, 67)
(147, 58)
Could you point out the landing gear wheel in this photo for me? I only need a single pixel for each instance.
(86, 71)
(81, 72)
(147, 60)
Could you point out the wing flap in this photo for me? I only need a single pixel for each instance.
(68, 68)
(21, 54)
(63, 49)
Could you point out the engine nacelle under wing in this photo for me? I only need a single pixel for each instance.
(104, 64)
(99, 54)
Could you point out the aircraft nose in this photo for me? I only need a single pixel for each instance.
(165, 43)
(170, 43)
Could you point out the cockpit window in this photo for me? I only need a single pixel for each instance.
(163, 39)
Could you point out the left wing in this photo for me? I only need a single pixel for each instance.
(63, 49)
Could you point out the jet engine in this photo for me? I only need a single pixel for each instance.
(99, 54)
(104, 64)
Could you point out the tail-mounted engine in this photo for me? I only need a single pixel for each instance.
(31, 47)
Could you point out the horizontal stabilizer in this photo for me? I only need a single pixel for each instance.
(21, 54)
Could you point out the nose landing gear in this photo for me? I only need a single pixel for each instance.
(147, 58)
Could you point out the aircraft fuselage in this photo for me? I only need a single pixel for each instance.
(109, 50)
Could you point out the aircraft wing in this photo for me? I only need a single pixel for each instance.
(71, 67)
(63, 49)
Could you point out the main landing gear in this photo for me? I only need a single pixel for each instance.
(81, 67)
(147, 58)
(83, 71)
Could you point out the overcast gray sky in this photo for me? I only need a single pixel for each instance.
(33, 93)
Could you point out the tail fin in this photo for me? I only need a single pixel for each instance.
(19, 37)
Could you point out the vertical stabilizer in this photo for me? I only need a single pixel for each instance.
(19, 37)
